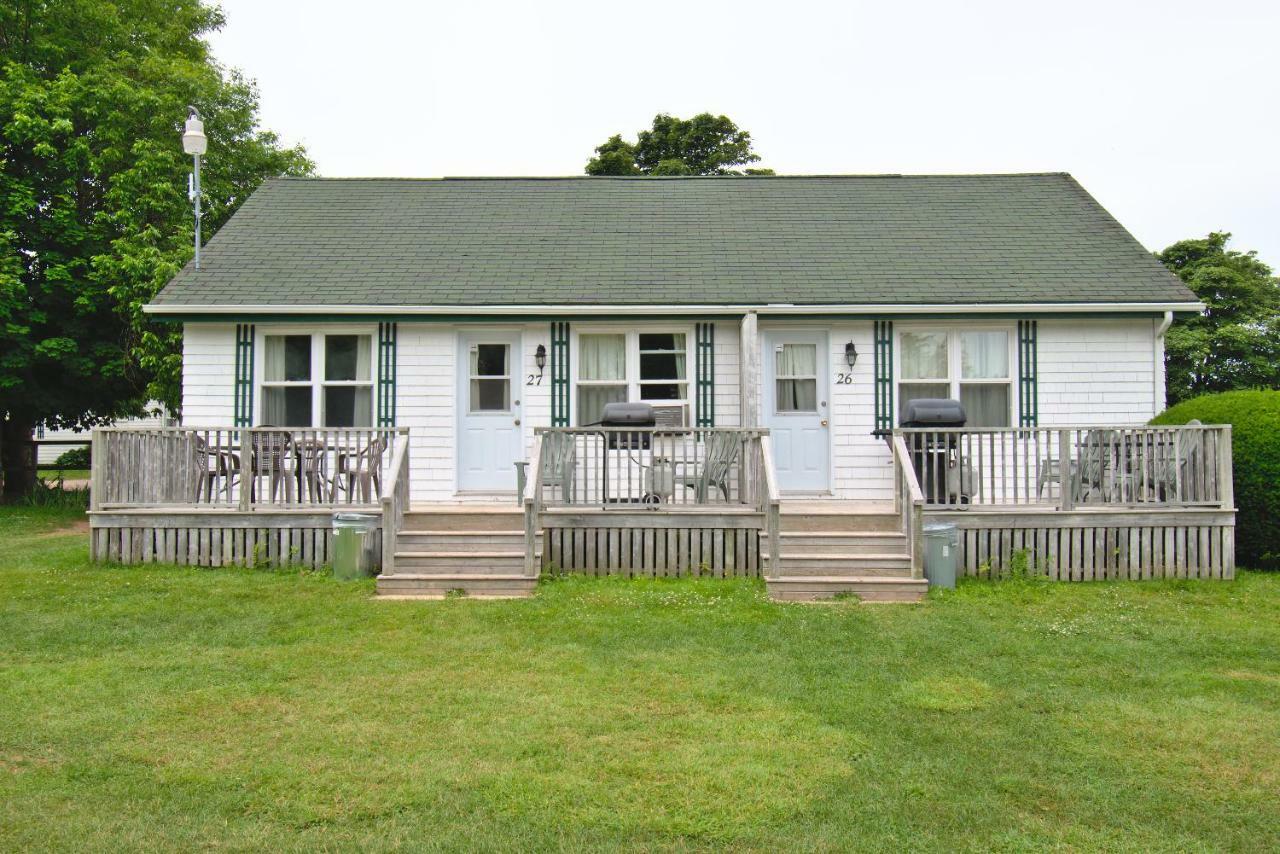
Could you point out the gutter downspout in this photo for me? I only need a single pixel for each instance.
(1157, 364)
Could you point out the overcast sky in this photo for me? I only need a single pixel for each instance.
(1166, 111)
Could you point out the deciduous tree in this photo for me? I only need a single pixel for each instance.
(702, 145)
(94, 216)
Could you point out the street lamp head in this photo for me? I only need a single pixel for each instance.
(193, 139)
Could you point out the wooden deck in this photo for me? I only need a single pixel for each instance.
(697, 503)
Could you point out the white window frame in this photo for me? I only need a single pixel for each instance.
(632, 373)
(511, 376)
(317, 381)
(954, 363)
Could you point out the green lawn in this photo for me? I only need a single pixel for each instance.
(53, 474)
(162, 709)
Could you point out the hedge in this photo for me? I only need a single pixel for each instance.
(1254, 417)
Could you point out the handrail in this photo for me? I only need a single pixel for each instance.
(910, 505)
(1043, 427)
(531, 501)
(771, 504)
(394, 501)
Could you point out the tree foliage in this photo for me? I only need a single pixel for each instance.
(94, 215)
(1235, 344)
(702, 145)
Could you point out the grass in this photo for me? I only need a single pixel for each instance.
(52, 474)
(164, 708)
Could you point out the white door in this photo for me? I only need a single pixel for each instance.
(795, 408)
(489, 435)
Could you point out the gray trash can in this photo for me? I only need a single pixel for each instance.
(941, 554)
(353, 545)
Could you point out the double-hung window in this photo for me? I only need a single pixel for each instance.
(614, 367)
(972, 366)
(321, 380)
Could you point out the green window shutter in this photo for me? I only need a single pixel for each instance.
(386, 375)
(884, 376)
(705, 374)
(1028, 375)
(559, 374)
(243, 416)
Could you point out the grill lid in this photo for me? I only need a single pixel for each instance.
(627, 415)
(933, 412)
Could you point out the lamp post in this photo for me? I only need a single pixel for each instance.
(195, 143)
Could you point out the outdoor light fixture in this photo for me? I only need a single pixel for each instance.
(850, 354)
(195, 143)
(540, 358)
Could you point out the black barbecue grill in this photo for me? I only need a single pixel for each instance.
(933, 455)
(628, 416)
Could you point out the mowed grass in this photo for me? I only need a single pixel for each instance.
(167, 708)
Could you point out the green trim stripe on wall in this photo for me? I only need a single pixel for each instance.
(386, 375)
(884, 376)
(243, 391)
(559, 374)
(1028, 374)
(705, 376)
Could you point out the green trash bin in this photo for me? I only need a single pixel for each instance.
(353, 545)
(941, 554)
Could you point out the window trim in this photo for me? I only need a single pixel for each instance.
(632, 382)
(510, 378)
(317, 383)
(955, 363)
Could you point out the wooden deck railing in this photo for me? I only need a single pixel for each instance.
(909, 503)
(1072, 467)
(395, 500)
(239, 468)
(611, 467)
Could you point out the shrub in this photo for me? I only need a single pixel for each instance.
(76, 458)
(1254, 417)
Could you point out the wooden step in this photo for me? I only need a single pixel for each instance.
(452, 563)
(824, 542)
(438, 586)
(461, 517)
(460, 541)
(828, 565)
(839, 521)
(818, 588)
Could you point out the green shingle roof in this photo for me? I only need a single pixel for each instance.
(852, 240)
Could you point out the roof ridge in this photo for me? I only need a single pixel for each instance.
(824, 176)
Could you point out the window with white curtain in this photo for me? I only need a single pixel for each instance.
(322, 380)
(795, 376)
(972, 366)
(614, 367)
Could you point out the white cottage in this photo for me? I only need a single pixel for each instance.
(475, 317)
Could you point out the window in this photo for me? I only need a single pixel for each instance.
(614, 367)
(969, 365)
(795, 374)
(490, 378)
(326, 375)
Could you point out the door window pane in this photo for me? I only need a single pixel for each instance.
(796, 360)
(986, 404)
(924, 356)
(908, 392)
(592, 398)
(602, 357)
(287, 358)
(490, 395)
(489, 360)
(286, 406)
(984, 355)
(797, 396)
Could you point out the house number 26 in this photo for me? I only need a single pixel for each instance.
(844, 379)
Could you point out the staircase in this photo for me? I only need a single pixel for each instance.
(826, 549)
(475, 550)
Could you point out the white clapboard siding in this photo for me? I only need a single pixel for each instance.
(208, 374)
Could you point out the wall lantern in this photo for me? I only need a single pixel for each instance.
(850, 354)
(540, 358)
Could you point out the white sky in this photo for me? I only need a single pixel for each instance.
(1166, 111)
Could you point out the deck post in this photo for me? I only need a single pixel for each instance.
(246, 484)
(1226, 482)
(1065, 482)
(749, 359)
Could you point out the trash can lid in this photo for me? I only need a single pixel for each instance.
(939, 528)
(362, 521)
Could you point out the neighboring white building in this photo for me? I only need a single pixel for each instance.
(61, 441)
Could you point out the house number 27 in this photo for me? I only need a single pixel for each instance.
(533, 379)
